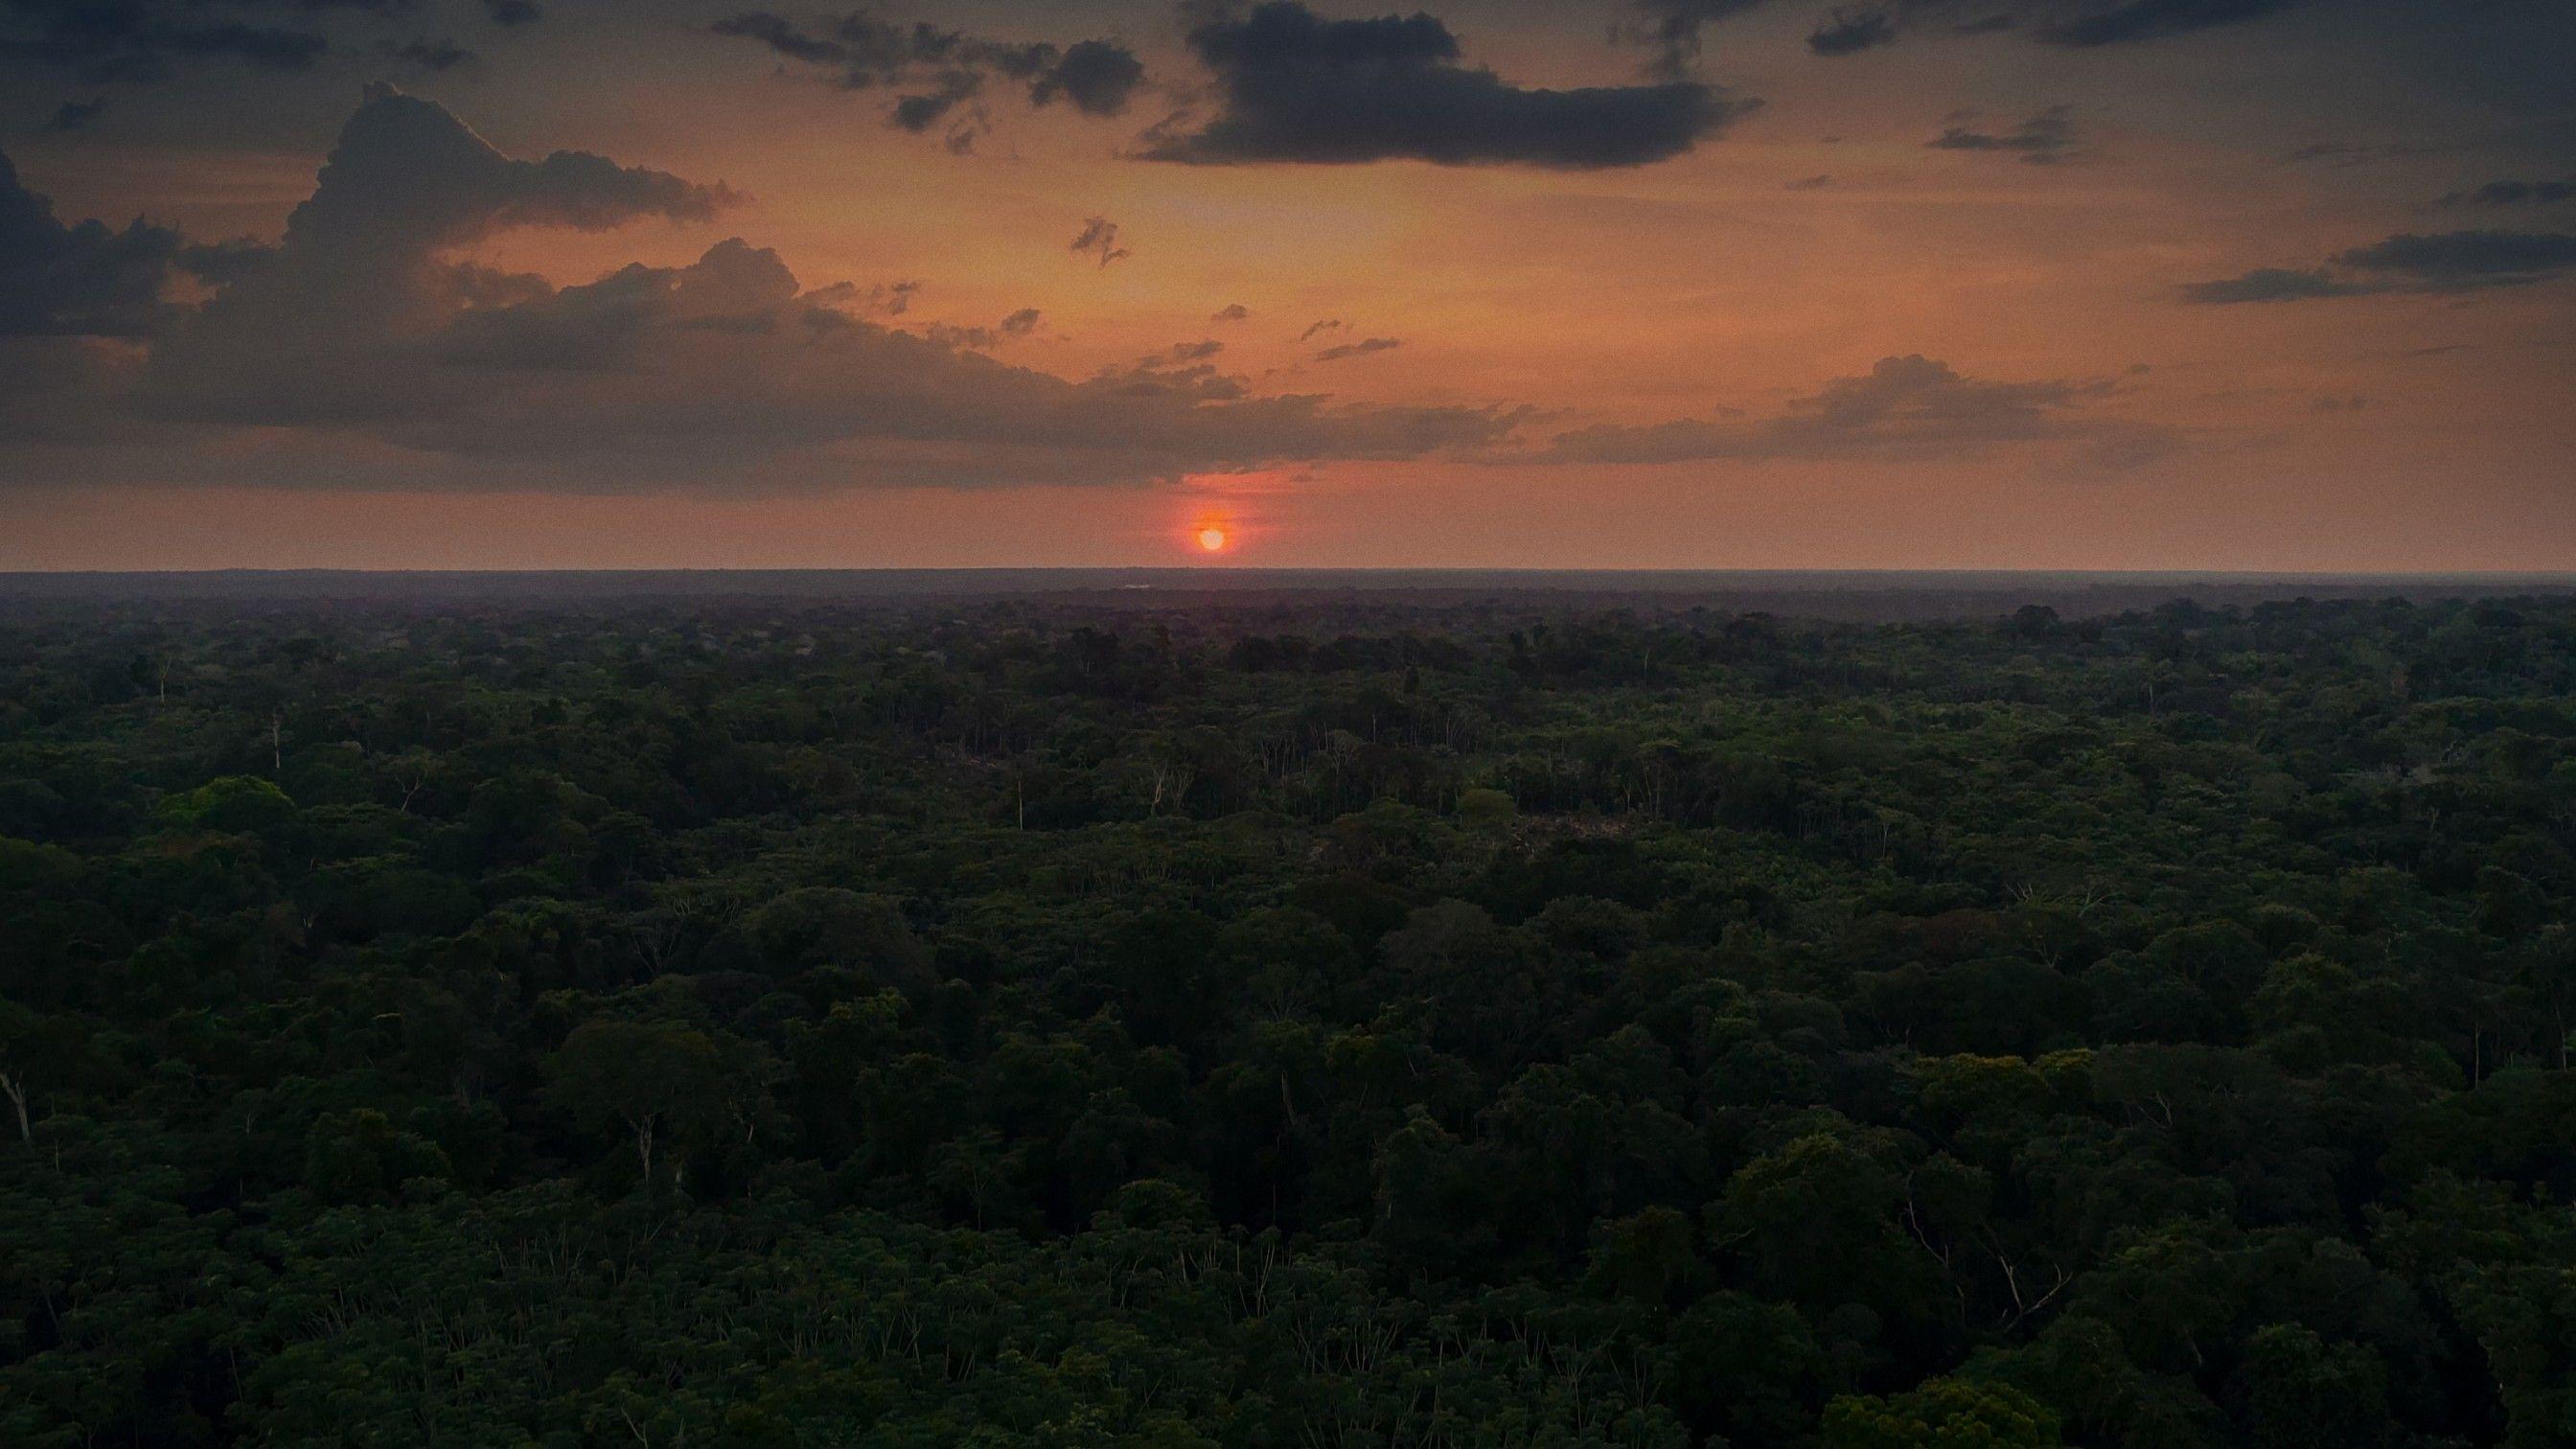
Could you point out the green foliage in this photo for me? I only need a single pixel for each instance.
(1942, 1414)
(1360, 1020)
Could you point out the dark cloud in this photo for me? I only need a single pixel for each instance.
(429, 55)
(2457, 261)
(1905, 409)
(2514, 193)
(2348, 153)
(2466, 259)
(220, 264)
(2042, 140)
(1294, 86)
(1851, 29)
(1099, 239)
(1671, 30)
(1848, 32)
(1809, 183)
(1328, 325)
(951, 69)
(83, 280)
(1096, 76)
(1019, 324)
(2149, 19)
(140, 41)
(781, 35)
(2275, 284)
(143, 42)
(77, 115)
(1360, 348)
(367, 346)
(1232, 312)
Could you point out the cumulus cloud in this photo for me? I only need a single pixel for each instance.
(1905, 409)
(2042, 140)
(1231, 312)
(2456, 261)
(1293, 86)
(949, 70)
(84, 280)
(367, 346)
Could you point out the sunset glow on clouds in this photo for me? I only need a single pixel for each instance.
(1667, 283)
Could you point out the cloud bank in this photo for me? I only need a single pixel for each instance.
(2447, 262)
(948, 70)
(363, 335)
(1903, 410)
(1295, 87)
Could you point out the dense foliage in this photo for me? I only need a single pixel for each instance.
(1340, 1021)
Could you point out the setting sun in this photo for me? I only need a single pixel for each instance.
(1212, 539)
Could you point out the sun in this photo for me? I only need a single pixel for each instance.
(1212, 539)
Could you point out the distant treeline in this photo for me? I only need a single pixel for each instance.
(1851, 596)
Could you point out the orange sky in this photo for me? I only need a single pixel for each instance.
(2415, 426)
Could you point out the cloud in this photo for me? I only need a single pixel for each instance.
(982, 339)
(1359, 349)
(1808, 183)
(513, 12)
(1097, 77)
(1327, 326)
(2274, 284)
(2150, 19)
(1905, 409)
(1848, 32)
(2463, 259)
(145, 41)
(77, 115)
(1851, 29)
(429, 55)
(2348, 153)
(2042, 140)
(2514, 193)
(1295, 87)
(953, 69)
(367, 346)
(1231, 312)
(84, 280)
(1671, 29)
(2457, 261)
(1099, 239)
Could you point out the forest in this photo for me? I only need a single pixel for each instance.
(1331, 1020)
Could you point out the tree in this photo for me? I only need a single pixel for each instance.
(667, 1087)
(1943, 1414)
